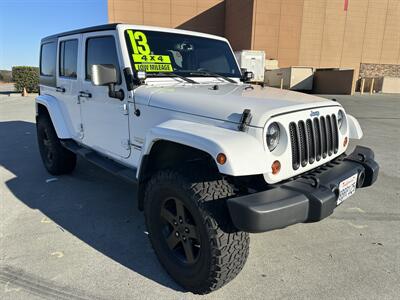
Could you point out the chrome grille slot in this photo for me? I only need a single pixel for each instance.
(335, 134)
(313, 139)
(324, 141)
(303, 144)
(318, 143)
(329, 135)
(295, 146)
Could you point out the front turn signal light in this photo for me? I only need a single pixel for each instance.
(276, 167)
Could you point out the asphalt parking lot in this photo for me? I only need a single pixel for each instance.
(81, 236)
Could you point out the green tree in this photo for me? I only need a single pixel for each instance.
(26, 77)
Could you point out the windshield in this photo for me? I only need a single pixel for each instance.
(161, 52)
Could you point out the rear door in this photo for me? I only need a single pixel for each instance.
(68, 82)
(105, 120)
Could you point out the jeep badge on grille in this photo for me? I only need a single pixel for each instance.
(314, 114)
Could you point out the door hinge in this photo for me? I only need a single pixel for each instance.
(126, 143)
(125, 109)
(81, 131)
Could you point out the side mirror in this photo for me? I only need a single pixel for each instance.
(107, 75)
(247, 75)
(104, 74)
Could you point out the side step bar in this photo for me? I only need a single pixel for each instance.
(109, 165)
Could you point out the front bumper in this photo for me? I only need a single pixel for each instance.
(308, 198)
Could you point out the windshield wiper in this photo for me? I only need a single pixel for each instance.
(172, 74)
(207, 73)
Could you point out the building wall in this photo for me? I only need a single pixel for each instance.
(319, 33)
(367, 32)
(277, 29)
(239, 29)
(322, 33)
(200, 15)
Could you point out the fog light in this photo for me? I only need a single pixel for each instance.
(345, 141)
(221, 158)
(276, 167)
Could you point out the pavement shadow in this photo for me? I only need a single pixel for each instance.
(93, 205)
(9, 93)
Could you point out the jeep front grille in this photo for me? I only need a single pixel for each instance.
(313, 139)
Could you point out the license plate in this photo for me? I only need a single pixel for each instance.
(347, 188)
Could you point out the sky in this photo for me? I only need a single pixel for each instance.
(23, 23)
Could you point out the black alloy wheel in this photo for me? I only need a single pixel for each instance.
(180, 231)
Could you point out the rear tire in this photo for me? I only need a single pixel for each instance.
(191, 230)
(56, 159)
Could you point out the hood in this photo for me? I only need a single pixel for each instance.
(226, 102)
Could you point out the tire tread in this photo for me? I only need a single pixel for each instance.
(65, 160)
(229, 247)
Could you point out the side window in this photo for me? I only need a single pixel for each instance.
(101, 50)
(48, 54)
(68, 58)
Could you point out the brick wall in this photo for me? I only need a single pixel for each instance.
(379, 70)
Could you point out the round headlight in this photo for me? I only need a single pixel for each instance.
(340, 118)
(273, 135)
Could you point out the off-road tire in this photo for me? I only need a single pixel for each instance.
(223, 249)
(56, 159)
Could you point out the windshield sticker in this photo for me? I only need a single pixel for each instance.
(139, 58)
(154, 67)
(139, 42)
(143, 59)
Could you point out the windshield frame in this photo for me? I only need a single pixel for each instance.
(231, 59)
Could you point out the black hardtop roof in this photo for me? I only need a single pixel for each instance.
(82, 30)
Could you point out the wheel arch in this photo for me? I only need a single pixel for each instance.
(46, 104)
(166, 154)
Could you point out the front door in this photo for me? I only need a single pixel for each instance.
(105, 122)
(68, 82)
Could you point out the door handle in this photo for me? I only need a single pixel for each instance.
(60, 89)
(84, 94)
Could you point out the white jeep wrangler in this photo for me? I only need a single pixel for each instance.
(214, 158)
